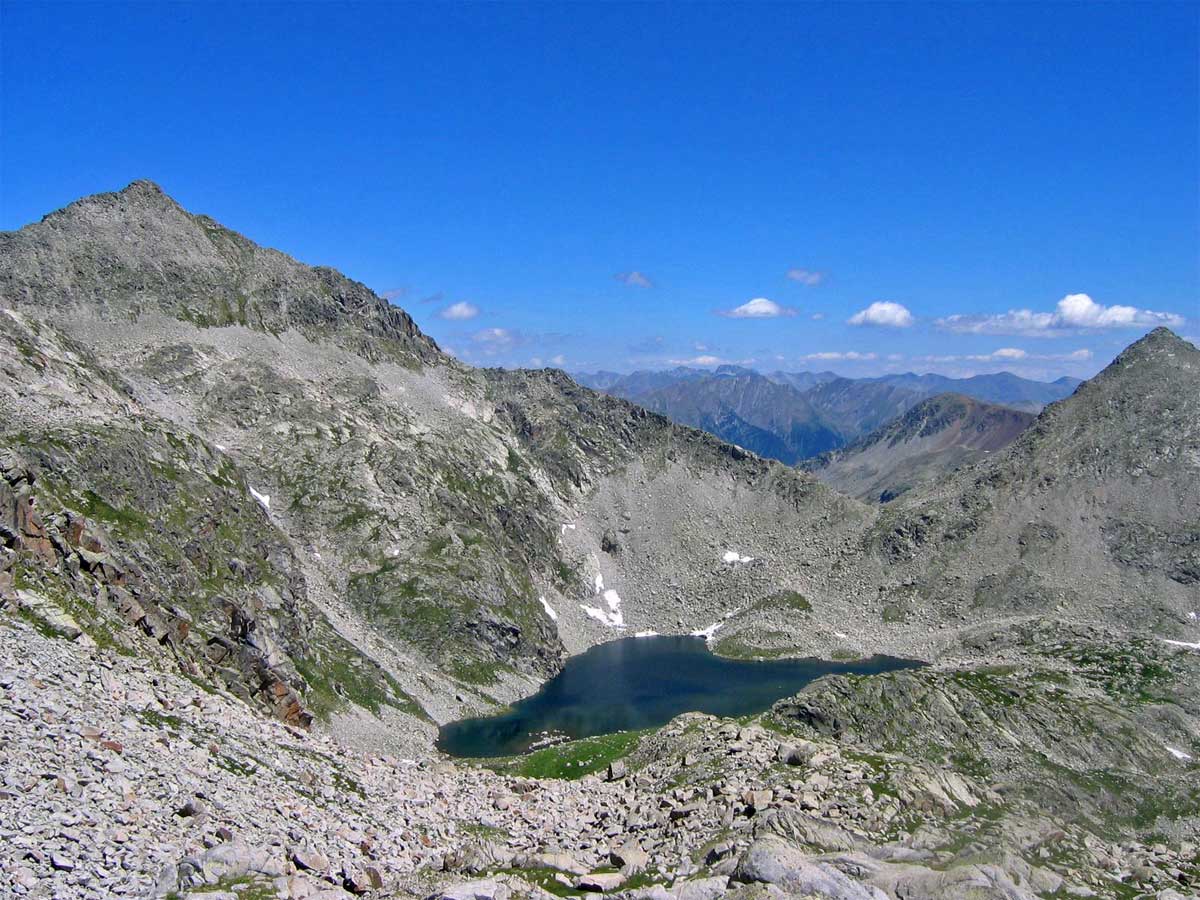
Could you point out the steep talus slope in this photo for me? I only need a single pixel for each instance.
(932, 439)
(657, 528)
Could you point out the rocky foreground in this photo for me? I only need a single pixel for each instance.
(122, 779)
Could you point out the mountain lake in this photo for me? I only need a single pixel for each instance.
(643, 682)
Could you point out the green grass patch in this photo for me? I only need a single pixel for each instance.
(334, 680)
(571, 760)
(93, 506)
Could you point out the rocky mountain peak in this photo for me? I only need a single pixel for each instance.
(1159, 370)
(1161, 345)
(136, 252)
(140, 201)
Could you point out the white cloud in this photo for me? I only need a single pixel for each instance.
(807, 277)
(497, 339)
(1074, 312)
(758, 308)
(818, 316)
(1008, 354)
(393, 294)
(634, 279)
(459, 312)
(705, 360)
(883, 313)
(848, 355)
(558, 360)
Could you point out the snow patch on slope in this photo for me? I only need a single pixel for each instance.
(612, 616)
(1195, 646)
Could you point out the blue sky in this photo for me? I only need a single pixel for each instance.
(606, 186)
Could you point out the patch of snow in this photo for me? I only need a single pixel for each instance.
(264, 499)
(568, 526)
(732, 556)
(220, 447)
(550, 612)
(710, 631)
(595, 612)
(1193, 616)
(646, 634)
(614, 606)
(1195, 646)
(1179, 754)
(316, 555)
(612, 616)
(840, 634)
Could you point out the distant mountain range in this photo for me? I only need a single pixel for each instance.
(792, 416)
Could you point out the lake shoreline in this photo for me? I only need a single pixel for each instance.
(639, 683)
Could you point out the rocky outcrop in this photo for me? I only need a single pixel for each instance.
(74, 557)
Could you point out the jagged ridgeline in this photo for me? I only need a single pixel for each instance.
(267, 471)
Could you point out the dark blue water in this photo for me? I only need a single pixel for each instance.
(644, 683)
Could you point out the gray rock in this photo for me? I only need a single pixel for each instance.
(630, 858)
(602, 882)
(769, 859)
(485, 889)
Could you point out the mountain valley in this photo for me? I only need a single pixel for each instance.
(795, 416)
(260, 536)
